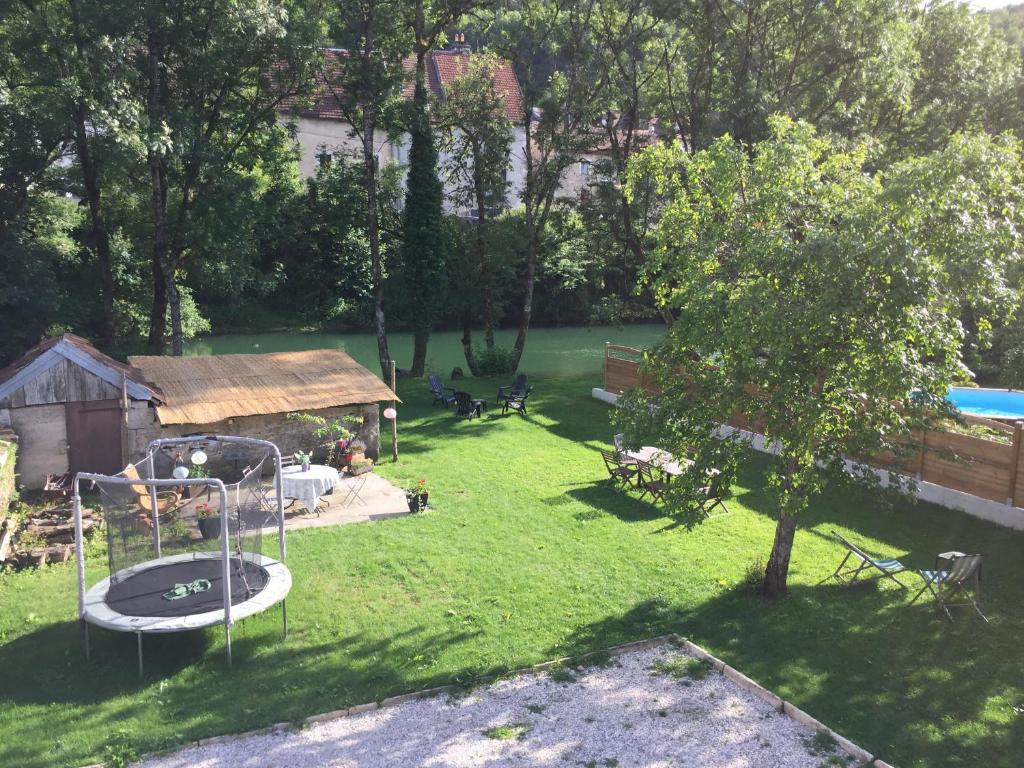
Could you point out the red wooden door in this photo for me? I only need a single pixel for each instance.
(94, 436)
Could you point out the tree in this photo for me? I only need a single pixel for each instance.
(424, 251)
(477, 143)
(817, 300)
(215, 75)
(553, 44)
(365, 82)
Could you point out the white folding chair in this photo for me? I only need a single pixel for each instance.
(354, 485)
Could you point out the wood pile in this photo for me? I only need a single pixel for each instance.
(47, 536)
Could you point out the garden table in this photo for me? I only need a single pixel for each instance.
(665, 461)
(308, 486)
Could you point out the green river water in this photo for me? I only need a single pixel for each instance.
(559, 352)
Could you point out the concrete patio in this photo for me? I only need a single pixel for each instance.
(377, 500)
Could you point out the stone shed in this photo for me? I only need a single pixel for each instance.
(252, 394)
(70, 407)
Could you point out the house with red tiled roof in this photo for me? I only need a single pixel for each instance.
(321, 128)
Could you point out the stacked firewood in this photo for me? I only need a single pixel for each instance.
(48, 536)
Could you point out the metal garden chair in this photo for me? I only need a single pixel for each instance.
(963, 580)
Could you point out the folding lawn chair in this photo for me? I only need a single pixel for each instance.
(354, 485)
(713, 495)
(620, 472)
(887, 568)
(963, 579)
(650, 481)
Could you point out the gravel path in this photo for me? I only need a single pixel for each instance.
(642, 709)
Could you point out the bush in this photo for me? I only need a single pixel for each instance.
(494, 361)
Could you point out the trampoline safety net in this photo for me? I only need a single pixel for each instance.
(146, 521)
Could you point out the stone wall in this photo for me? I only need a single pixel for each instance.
(8, 458)
(43, 447)
(288, 435)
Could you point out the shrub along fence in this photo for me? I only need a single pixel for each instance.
(986, 468)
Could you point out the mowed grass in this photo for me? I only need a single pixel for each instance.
(529, 554)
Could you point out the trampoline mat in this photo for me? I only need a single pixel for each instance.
(142, 594)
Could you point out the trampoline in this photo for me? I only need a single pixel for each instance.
(168, 572)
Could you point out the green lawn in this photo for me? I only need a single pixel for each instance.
(529, 555)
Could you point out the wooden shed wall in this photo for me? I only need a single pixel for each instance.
(62, 382)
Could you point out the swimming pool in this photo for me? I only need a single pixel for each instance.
(993, 403)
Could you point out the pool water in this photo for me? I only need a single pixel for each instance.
(557, 352)
(994, 403)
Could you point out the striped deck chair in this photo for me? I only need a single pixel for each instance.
(963, 579)
(865, 564)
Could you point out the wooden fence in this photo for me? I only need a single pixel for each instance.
(986, 468)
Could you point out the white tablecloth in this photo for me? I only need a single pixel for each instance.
(310, 485)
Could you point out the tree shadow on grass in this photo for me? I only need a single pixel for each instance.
(189, 692)
(615, 501)
(899, 680)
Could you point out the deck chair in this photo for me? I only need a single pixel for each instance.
(650, 480)
(167, 500)
(464, 405)
(516, 388)
(887, 568)
(619, 472)
(439, 391)
(963, 579)
(713, 495)
(516, 403)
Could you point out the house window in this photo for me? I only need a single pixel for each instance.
(584, 168)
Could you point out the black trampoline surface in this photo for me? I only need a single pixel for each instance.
(142, 593)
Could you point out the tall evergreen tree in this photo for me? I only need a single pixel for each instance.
(424, 245)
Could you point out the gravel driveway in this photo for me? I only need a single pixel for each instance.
(646, 708)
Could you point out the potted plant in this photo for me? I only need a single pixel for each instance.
(197, 471)
(208, 517)
(209, 521)
(335, 434)
(302, 459)
(356, 452)
(417, 496)
(361, 466)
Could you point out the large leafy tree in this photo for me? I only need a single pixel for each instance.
(477, 139)
(816, 300)
(554, 45)
(365, 82)
(215, 75)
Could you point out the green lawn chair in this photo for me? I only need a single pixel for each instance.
(963, 579)
(865, 564)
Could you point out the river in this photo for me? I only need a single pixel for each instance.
(558, 352)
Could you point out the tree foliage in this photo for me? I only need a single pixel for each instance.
(817, 299)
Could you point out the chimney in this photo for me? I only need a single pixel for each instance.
(460, 46)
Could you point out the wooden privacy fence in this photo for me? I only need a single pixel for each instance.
(975, 465)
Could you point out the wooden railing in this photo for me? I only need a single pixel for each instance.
(986, 468)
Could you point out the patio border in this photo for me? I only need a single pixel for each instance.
(865, 758)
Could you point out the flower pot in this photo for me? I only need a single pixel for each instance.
(359, 469)
(305, 467)
(417, 501)
(210, 527)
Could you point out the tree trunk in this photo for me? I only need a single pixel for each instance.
(531, 276)
(372, 218)
(467, 343)
(420, 338)
(776, 573)
(98, 235)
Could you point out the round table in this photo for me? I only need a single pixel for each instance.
(308, 486)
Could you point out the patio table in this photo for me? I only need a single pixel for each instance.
(307, 487)
(665, 461)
